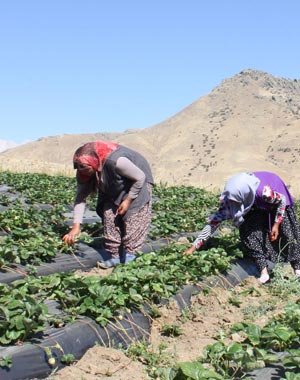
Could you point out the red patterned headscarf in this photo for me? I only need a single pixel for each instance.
(92, 154)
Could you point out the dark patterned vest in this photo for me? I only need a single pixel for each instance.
(117, 187)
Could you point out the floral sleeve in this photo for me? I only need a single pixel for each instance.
(272, 197)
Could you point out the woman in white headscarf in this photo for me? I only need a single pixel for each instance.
(261, 206)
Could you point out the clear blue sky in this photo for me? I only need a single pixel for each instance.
(70, 66)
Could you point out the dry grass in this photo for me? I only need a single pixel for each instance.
(26, 166)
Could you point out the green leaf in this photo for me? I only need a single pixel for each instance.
(135, 296)
(196, 371)
(19, 324)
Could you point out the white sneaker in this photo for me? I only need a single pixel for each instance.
(264, 278)
(297, 272)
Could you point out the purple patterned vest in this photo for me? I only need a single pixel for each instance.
(276, 184)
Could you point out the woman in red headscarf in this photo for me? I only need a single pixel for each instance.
(123, 180)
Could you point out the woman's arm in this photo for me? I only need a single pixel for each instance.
(78, 212)
(214, 222)
(204, 235)
(127, 169)
(272, 197)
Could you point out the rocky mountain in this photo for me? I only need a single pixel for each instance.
(251, 121)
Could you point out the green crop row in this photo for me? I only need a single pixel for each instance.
(32, 222)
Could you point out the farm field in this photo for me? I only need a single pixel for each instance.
(218, 332)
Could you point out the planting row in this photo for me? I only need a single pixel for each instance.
(34, 217)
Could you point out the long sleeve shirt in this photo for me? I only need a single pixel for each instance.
(126, 169)
(268, 195)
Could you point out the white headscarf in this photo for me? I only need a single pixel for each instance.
(240, 189)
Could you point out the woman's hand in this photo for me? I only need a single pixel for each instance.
(70, 237)
(124, 206)
(190, 251)
(274, 232)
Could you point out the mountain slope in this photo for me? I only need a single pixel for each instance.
(249, 122)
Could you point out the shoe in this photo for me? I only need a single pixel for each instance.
(130, 257)
(114, 261)
(297, 272)
(101, 265)
(109, 263)
(264, 278)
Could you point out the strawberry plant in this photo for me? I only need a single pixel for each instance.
(149, 279)
(21, 315)
(180, 209)
(291, 376)
(171, 330)
(32, 223)
(5, 361)
(41, 188)
(292, 361)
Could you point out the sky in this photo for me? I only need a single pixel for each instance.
(86, 66)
